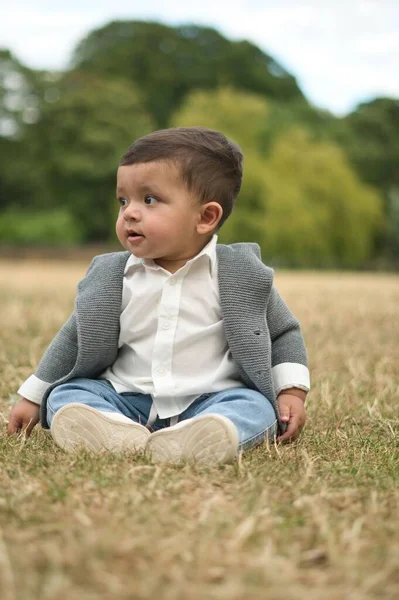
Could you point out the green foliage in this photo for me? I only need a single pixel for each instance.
(246, 224)
(80, 138)
(18, 95)
(62, 135)
(392, 233)
(166, 63)
(11, 182)
(300, 201)
(284, 117)
(318, 212)
(370, 135)
(241, 116)
(19, 226)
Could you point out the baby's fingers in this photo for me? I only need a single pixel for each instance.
(284, 410)
(14, 425)
(291, 432)
(23, 417)
(29, 426)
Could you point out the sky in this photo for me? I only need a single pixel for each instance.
(342, 52)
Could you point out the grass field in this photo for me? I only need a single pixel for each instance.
(314, 520)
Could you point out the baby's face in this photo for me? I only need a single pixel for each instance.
(158, 217)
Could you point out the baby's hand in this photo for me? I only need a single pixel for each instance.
(292, 411)
(23, 416)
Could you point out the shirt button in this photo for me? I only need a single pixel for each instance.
(165, 325)
(161, 371)
(173, 281)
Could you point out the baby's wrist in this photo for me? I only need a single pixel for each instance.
(301, 394)
(26, 400)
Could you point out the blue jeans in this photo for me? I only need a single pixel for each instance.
(250, 411)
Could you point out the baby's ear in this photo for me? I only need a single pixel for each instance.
(209, 217)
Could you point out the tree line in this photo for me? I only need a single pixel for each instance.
(318, 190)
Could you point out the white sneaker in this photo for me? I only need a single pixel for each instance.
(207, 440)
(77, 425)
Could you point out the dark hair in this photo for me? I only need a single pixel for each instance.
(209, 163)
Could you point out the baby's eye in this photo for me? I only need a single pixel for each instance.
(150, 200)
(122, 201)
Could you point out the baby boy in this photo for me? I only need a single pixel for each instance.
(179, 346)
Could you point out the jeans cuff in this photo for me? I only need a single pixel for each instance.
(258, 438)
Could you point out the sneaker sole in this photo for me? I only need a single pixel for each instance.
(77, 426)
(207, 440)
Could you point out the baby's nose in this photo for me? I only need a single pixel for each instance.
(132, 214)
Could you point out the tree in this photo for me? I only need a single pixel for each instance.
(80, 138)
(166, 63)
(370, 137)
(62, 134)
(243, 117)
(19, 105)
(318, 212)
(18, 95)
(300, 199)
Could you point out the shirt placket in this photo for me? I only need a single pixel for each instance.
(168, 311)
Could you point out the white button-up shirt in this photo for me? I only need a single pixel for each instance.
(172, 343)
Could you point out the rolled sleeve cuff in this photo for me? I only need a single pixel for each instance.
(290, 375)
(33, 389)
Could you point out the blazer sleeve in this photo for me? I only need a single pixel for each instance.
(61, 355)
(288, 345)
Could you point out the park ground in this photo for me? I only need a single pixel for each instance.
(316, 519)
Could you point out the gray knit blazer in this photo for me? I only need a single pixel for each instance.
(260, 330)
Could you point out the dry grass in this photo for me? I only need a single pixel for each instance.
(317, 519)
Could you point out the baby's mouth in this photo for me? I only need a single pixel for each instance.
(134, 235)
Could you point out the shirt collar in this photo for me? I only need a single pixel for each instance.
(208, 250)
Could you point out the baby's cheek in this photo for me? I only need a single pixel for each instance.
(159, 228)
(120, 231)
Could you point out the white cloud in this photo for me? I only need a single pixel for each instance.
(382, 44)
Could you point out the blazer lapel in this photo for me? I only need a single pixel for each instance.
(244, 287)
(98, 308)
